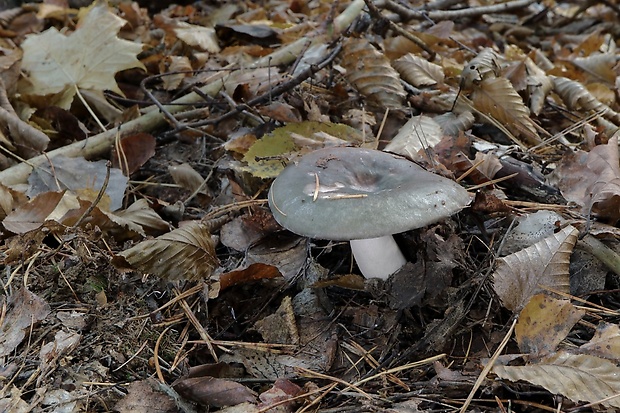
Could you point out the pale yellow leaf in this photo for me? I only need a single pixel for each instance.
(86, 59)
(543, 323)
(577, 376)
(268, 156)
(524, 273)
(187, 253)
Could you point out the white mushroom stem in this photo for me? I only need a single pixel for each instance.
(377, 257)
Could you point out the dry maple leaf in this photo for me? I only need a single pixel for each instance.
(88, 58)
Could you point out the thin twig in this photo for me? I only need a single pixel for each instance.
(410, 14)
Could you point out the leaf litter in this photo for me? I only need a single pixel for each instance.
(161, 282)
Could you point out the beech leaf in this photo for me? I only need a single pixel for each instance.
(577, 376)
(86, 59)
(418, 71)
(372, 75)
(520, 275)
(496, 98)
(187, 253)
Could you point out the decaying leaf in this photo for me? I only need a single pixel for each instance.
(24, 309)
(605, 342)
(371, 73)
(187, 253)
(143, 396)
(211, 391)
(81, 177)
(520, 275)
(88, 58)
(269, 155)
(577, 376)
(543, 323)
(592, 180)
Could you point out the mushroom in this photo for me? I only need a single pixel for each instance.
(362, 196)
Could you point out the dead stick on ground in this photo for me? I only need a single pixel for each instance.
(410, 14)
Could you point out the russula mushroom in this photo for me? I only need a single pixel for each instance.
(362, 196)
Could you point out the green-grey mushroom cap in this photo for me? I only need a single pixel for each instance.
(354, 193)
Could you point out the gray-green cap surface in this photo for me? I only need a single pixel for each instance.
(347, 193)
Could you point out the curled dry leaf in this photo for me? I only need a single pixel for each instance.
(187, 177)
(538, 86)
(418, 71)
(576, 96)
(592, 180)
(486, 65)
(372, 75)
(452, 123)
(577, 376)
(187, 253)
(520, 275)
(543, 323)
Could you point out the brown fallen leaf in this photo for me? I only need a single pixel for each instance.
(142, 397)
(24, 309)
(371, 73)
(592, 180)
(211, 391)
(187, 253)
